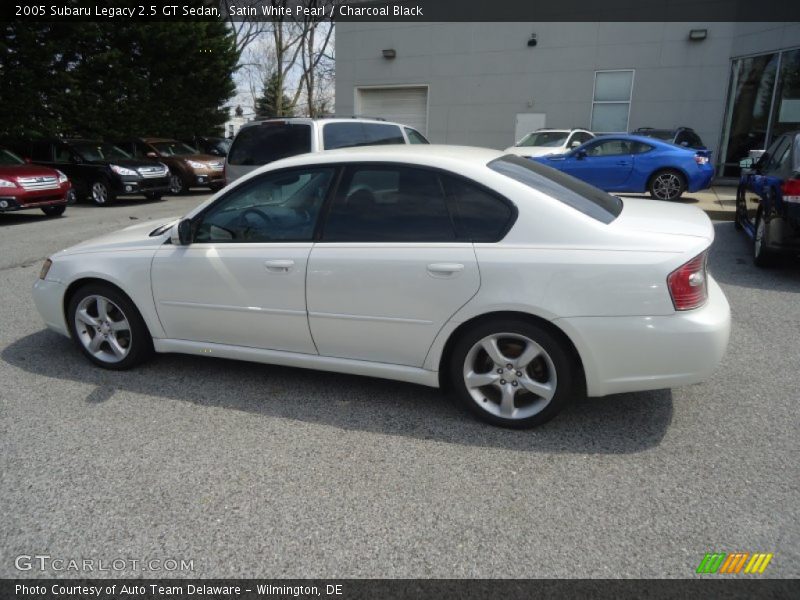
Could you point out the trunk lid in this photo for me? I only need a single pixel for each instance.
(660, 217)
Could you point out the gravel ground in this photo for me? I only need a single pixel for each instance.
(253, 470)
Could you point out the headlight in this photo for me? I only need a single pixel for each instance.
(122, 170)
(61, 177)
(196, 165)
(45, 268)
(5, 183)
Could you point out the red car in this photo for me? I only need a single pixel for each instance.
(24, 186)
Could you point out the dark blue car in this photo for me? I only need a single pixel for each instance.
(632, 163)
(768, 199)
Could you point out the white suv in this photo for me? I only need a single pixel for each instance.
(264, 141)
(550, 141)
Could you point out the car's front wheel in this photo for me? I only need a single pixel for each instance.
(101, 193)
(762, 255)
(107, 327)
(513, 373)
(54, 211)
(176, 184)
(667, 185)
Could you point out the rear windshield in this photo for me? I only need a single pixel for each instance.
(567, 189)
(267, 142)
(349, 135)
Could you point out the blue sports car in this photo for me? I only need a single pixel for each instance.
(633, 163)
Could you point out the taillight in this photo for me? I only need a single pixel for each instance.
(687, 284)
(790, 190)
(700, 159)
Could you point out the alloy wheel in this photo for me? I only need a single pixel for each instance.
(509, 376)
(103, 329)
(758, 242)
(175, 184)
(99, 193)
(666, 186)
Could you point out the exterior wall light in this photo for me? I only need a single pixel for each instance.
(698, 35)
(532, 41)
(389, 53)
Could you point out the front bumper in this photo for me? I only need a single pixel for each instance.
(631, 354)
(29, 200)
(206, 177)
(129, 185)
(48, 296)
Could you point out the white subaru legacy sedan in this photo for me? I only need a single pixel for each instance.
(512, 284)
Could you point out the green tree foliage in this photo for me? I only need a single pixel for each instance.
(267, 103)
(95, 80)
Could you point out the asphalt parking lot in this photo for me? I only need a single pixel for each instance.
(252, 470)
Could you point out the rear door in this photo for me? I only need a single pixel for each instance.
(390, 268)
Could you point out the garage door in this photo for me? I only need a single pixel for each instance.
(407, 105)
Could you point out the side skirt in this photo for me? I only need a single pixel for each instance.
(302, 361)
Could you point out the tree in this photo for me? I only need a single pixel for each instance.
(267, 105)
(88, 79)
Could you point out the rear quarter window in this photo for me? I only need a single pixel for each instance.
(265, 143)
(349, 135)
(573, 192)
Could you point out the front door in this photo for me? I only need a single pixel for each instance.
(607, 164)
(242, 279)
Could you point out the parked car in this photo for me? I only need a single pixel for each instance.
(630, 163)
(680, 136)
(25, 186)
(517, 286)
(216, 146)
(187, 166)
(768, 199)
(262, 142)
(99, 171)
(550, 141)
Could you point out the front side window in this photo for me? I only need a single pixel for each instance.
(573, 192)
(269, 141)
(640, 147)
(350, 135)
(609, 148)
(282, 206)
(389, 204)
(612, 101)
(8, 158)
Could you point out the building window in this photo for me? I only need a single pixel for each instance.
(611, 105)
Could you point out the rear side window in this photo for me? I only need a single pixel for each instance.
(573, 192)
(389, 204)
(268, 142)
(349, 135)
(415, 137)
(479, 215)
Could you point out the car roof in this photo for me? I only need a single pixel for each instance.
(311, 120)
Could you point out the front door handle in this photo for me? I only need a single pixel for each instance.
(444, 269)
(279, 266)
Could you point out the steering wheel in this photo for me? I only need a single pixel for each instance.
(256, 211)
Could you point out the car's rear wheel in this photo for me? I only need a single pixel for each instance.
(101, 193)
(177, 185)
(762, 255)
(740, 216)
(107, 327)
(512, 373)
(54, 211)
(153, 196)
(667, 184)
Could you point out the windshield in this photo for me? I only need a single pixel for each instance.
(90, 151)
(173, 148)
(573, 192)
(8, 158)
(544, 138)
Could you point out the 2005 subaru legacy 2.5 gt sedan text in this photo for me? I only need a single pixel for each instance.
(513, 284)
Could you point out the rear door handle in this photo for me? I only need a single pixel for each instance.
(279, 266)
(444, 269)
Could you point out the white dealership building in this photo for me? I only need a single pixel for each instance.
(736, 84)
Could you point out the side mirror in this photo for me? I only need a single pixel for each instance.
(685, 144)
(151, 155)
(182, 233)
(27, 160)
(580, 154)
(574, 144)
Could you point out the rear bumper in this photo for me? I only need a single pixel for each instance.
(48, 296)
(700, 181)
(629, 354)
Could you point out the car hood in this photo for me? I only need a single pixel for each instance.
(643, 215)
(131, 163)
(14, 171)
(532, 150)
(134, 237)
(204, 158)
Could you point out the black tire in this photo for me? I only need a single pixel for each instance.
(177, 185)
(216, 187)
(555, 368)
(54, 211)
(667, 184)
(740, 216)
(762, 255)
(139, 342)
(153, 196)
(101, 193)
